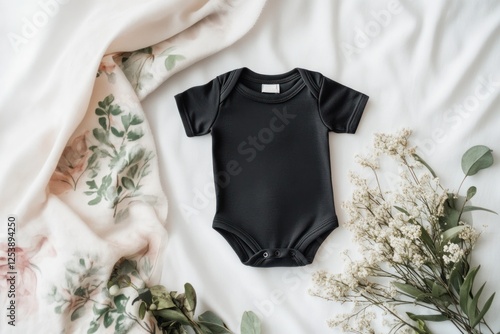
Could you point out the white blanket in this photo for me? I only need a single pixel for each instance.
(433, 68)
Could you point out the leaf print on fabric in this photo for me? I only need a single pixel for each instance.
(84, 279)
(128, 162)
(70, 167)
(137, 65)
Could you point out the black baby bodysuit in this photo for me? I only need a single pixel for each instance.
(271, 158)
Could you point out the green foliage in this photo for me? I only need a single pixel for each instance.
(128, 163)
(174, 312)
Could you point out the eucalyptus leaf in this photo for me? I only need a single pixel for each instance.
(471, 192)
(474, 208)
(427, 317)
(161, 297)
(476, 158)
(472, 306)
(211, 317)
(419, 159)
(172, 315)
(142, 310)
(190, 302)
(409, 289)
(250, 323)
(126, 121)
(451, 233)
(465, 288)
(481, 314)
(438, 290)
(215, 328)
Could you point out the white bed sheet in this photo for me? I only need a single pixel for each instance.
(431, 67)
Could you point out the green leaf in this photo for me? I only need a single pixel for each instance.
(101, 104)
(115, 110)
(427, 240)
(161, 297)
(116, 132)
(438, 290)
(419, 159)
(120, 302)
(145, 296)
(100, 135)
(128, 183)
(103, 123)
(77, 313)
(481, 314)
(250, 323)
(136, 120)
(80, 291)
(171, 315)
(466, 287)
(400, 209)
(456, 276)
(473, 208)
(142, 310)
(100, 112)
(136, 155)
(171, 60)
(476, 158)
(108, 319)
(409, 289)
(120, 325)
(215, 328)
(95, 201)
(93, 327)
(100, 311)
(190, 302)
(132, 171)
(451, 233)
(472, 306)
(431, 317)
(126, 121)
(134, 135)
(471, 192)
(109, 99)
(211, 317)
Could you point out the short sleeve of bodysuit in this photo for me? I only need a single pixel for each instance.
(198, 107)
(340, 107)
(271, 165)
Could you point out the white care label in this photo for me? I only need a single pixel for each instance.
(271, 88)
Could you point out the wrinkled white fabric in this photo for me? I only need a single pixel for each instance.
(431, 67)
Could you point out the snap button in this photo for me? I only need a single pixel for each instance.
(277, 253)
(266, 254)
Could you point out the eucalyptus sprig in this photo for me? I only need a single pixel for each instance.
(415, 246)
(173, 312)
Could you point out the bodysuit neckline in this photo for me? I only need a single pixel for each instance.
(247, 74)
